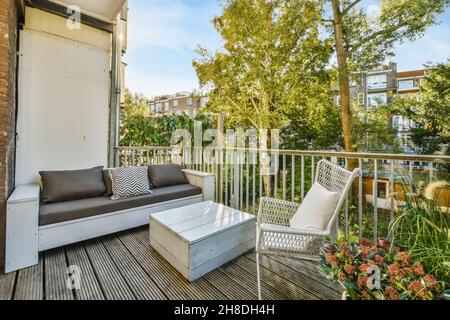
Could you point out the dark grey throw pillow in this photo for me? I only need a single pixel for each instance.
(166, 175)
(58, 186)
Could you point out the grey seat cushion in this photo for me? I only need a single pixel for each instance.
(71, 210)
(164, 175)
(60, 186)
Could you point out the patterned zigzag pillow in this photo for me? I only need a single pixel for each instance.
(129, 182)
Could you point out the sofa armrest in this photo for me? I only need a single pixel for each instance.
(22, 224)
(204, 180)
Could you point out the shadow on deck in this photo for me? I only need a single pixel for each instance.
(124, 266)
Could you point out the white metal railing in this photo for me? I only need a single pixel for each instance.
(245, 175)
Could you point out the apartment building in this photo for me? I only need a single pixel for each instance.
(373, 88)
(179, 103)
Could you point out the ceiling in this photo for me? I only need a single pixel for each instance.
(106, 10)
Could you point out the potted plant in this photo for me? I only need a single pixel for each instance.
(371, 271)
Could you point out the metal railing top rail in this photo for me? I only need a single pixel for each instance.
(349, 155)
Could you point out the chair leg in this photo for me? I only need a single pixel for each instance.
(258, 276)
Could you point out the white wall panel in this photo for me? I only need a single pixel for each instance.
(63, 104)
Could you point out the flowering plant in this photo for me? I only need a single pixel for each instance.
(378, 272)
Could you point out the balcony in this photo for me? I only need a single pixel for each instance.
(123, 266)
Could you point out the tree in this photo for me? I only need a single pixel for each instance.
(139, 129)
(362, 41)
(273, 65)
(430, 110)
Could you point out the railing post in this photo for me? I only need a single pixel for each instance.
(375, 200)
(360, 199)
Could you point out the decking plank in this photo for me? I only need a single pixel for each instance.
(167, 279)
(138, 280)
(229, 287)
(201, 286)
(55, 267)
(125, 266)
(113, 285)
(304, 282)
(30, 282)
(310, 269)
(275, 280)
(7, 285)
(90, 288)
(249, 281)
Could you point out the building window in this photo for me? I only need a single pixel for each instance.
(406, 84)
(152, 108)
(382, 189)
(203, 101)
(175, 103)
(166, 106)
(158, 107)
(361, 99)
(338, 101)
(395, 121)
(377, 82)
(189, 101)
(375, 99)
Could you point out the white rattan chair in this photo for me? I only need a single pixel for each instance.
(274, 234)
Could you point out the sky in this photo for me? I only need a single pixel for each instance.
(164, 34)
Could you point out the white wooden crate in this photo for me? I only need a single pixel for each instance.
(199, 238)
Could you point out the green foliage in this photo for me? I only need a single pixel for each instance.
(370, 39)
(140, 130)
(423, 227)
(363, 41)
(273, 66)
(430, 110)
(374, 132)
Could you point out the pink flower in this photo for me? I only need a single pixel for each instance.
(432, 283)
(363, 267)
(418, 269)
(403, 258)
(379, 259)
(330, 258)
(415, 286)
(393, 269)
(366, 242)
(361, 281)
(348, 268)
(390, 293)
(383, 243)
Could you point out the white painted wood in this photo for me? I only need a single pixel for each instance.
(103, 10)
(60, 234)
(203, 180)
(63, 88)
(22, 220)
(199, 238)
(218, 261)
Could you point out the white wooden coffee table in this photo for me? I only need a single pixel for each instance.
(201, 237)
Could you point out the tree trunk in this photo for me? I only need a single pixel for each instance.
(344, 78)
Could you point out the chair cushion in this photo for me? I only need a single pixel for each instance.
(129, 182)
(165, 175)
(66, 211)
(316, 209)
(60, 186)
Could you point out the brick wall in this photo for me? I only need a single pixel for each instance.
(8, 62)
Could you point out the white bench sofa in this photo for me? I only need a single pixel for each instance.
(28, 233)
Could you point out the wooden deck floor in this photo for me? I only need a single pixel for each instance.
(124, 266)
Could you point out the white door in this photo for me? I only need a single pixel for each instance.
(63, 107)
